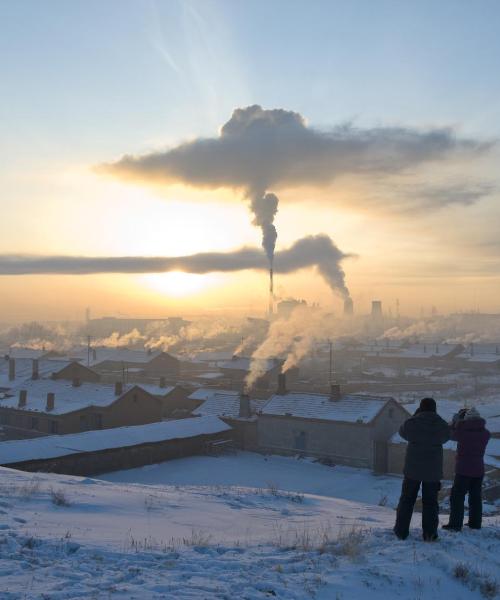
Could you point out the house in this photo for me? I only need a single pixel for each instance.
(13, 370)
(46, 406)
(237, 369)
(94, 452)
(234, 408)
(145, 362)
(77, 372)
(346, 429)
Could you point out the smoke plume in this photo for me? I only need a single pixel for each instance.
(313, 251)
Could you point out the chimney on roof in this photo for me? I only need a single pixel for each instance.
(245, 412)
(34, 368)
(281, 384)
(76, 382)
(94, 354)
(23, 395)
(118, 388)
(12, 369)
(163, 382)
(50, 401)
(335, 393)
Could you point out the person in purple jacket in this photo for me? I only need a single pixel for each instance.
(468, 429)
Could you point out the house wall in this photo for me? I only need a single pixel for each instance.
(396, 460)
(106, 461)
(344, 443)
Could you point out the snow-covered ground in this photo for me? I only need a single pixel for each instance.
(238, 527)
(257, 471)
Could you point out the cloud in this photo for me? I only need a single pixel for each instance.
(260, 149)
(410, 197)
(312, 251)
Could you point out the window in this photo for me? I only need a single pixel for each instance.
(83, 423)
(97, 418)
(53, 427)
(34, 422)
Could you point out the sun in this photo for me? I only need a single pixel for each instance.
(178, 284)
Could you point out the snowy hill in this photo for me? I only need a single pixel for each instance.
(67, 537)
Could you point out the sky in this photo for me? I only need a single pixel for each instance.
(85, 83)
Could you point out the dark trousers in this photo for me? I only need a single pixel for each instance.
(461, 486)
(430, 506)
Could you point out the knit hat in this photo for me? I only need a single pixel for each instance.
(472, 413)
(428, 405)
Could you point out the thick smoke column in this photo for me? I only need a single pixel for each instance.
(312, 251)
(265, 207)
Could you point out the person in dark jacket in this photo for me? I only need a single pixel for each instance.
(426, 432)
(469, 430)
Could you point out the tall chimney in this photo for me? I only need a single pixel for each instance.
(281, 384)
(23, 395)
(34, 369)
(50, 401)
(12, 369)
(335, 393)
(245, 412)
(348, 307)
(118, 388)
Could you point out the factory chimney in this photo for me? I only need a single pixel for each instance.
(348, 307)
(376, 309)
(271, 293)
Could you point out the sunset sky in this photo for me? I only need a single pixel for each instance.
(84, 83)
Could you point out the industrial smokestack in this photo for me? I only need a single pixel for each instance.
(34, 369)
(348, 307)
(281, 384)
(376, 309)
(271, 292)
(23, 395)
(51, 397)
(12, 369)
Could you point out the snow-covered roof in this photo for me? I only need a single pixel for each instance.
(226, 405)
(205, 393)
(67, 397)
(221, 405)
(351, 408)
(53, 446)
(24, 368)
(243, 364)
(156, 390)
(103, 353)
(210, 375)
